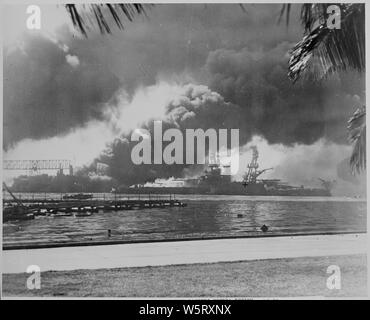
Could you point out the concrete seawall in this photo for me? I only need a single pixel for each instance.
(182, 252)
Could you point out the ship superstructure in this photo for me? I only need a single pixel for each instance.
(253, 173)
(256, 186)
(217, 180)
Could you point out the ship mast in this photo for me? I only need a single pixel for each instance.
(253, 173)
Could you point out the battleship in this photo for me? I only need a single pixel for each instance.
(276, 187)
(214, 180)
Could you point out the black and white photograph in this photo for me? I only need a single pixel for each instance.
(184, 150)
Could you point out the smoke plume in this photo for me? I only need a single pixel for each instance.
(191, 66)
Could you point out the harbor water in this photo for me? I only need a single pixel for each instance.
(204, 216)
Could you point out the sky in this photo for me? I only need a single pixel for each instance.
(191, 66)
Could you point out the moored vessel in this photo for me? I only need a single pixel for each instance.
(215, 181)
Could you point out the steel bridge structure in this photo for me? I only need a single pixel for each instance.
(36, 165)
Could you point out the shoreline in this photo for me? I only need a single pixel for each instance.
(84, 243)
(182, 252)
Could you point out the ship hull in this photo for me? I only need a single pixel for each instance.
(230, 189)
(299, 192)
(257, 189)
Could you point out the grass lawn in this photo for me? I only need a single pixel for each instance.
(262, 278)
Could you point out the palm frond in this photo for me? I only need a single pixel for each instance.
(312, 14)
(241, 5)
(285, 9)
(302, 52)
(85, 16)
(334, 49)
(357, 136)
(325, 51)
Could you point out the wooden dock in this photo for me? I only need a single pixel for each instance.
(47, 206)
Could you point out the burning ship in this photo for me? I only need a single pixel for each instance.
(275, 187)
(215, 181)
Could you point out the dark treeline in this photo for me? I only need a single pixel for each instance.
(62, 183)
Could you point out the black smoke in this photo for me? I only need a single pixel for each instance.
(241, 57)
(45, 96)
(197, 107)
(275, 108)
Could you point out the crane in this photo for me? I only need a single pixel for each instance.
(19, 202)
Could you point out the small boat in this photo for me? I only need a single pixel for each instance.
(63, 214)
(90, 209)
(40, 213)
(17, 213)
(82, 214)
(78, 196)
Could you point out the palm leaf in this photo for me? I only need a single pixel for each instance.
(325, 50)
(357, 135)
(285, 8)
(85, 16)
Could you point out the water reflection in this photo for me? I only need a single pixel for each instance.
(227, 216)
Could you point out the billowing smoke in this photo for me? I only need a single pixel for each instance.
(301, 164)
(250, 91)
(190, 66)
(273, 107)
(191, 107)
(48, 90)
